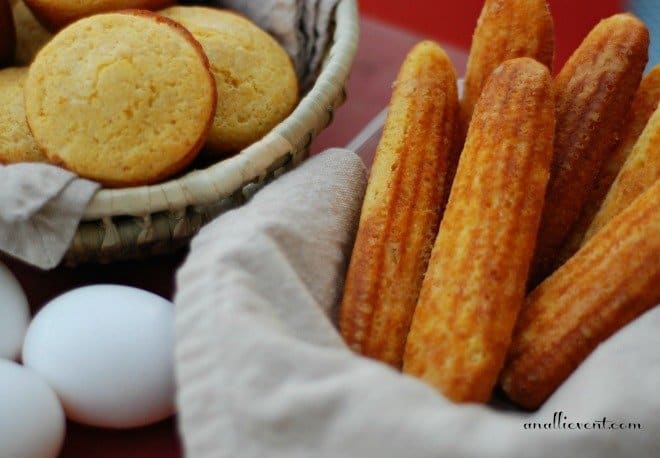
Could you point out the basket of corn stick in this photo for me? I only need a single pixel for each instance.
(506, 234)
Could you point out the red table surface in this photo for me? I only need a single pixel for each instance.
(452, 21)
(380, 53)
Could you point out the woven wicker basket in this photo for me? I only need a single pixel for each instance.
(142, 221)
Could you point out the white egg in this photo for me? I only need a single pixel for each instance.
(31, 419)
(14, 314)
(108, 352)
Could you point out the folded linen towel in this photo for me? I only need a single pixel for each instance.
(40, 209)
(262, 371)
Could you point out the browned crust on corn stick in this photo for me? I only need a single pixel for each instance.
(475, 282)
(402, 207)
(506, 29)
(643, 105)
(641, 170)
(612, 280)
(594, 92)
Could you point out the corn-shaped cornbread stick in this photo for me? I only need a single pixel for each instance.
(614, 278)
(402, 208)
(643, 105)
(475, 282)
(594, 91)
(641, 170)
(506, 29)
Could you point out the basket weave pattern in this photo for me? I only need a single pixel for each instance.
(143, 221)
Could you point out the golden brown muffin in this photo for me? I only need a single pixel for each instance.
(402, 207)
(16, 141)
(475, 282)
(106, 98)
(30, 34)
(7, 34)
(256, 81)
(55, 14)
(613, 279)
(506, 29)
(594, 90)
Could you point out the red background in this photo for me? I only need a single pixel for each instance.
(453, 21)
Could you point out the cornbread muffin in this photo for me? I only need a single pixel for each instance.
(107, 98)
(30, 34)
(256, 82)
(55, 14)
(7, 34)
(16, 141)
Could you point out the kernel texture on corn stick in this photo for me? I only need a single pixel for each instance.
(475, 282)
(594, 91)
(614, 278)
(641, 170)
(402, 207)
(643, 105)
(506, 29)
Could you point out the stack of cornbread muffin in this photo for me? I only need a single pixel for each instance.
(124, 95)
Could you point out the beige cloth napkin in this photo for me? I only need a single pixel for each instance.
(262, 372)
(40, 207)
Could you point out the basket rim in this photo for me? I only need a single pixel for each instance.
(211, 184)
